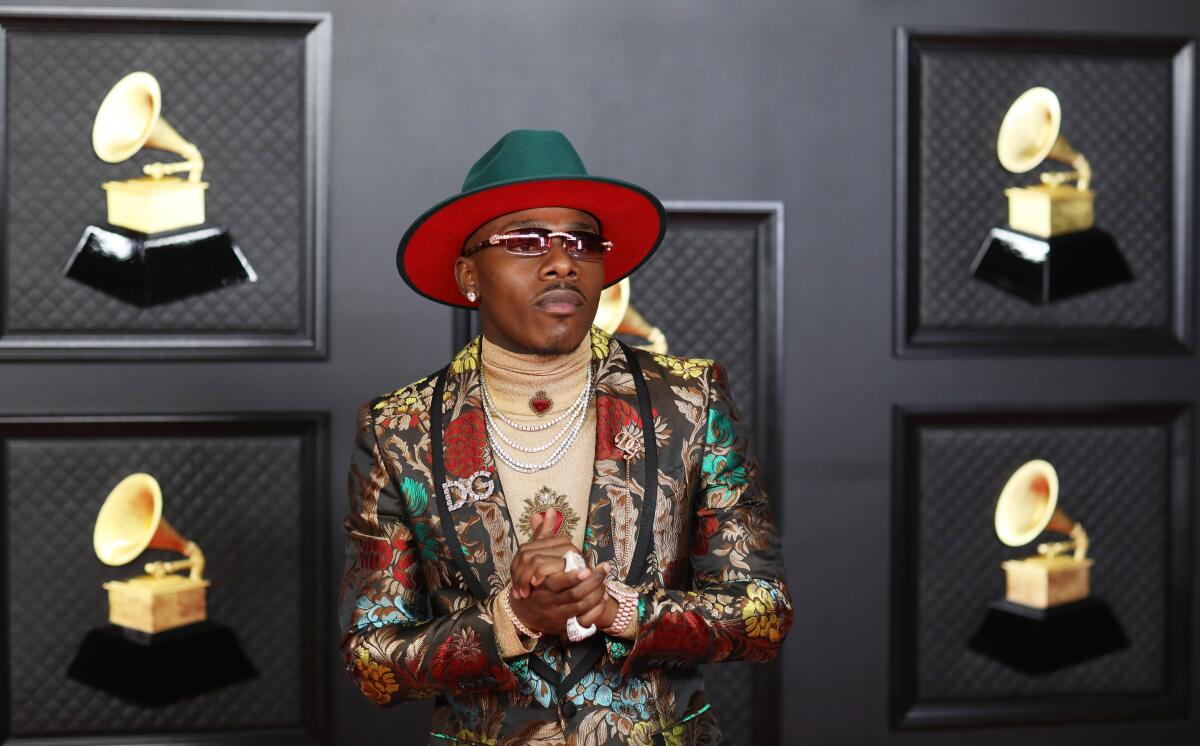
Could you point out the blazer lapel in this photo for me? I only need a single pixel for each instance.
(618, 497)
(470, 492)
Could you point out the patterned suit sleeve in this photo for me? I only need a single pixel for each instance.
(395, 648)
(739, 607)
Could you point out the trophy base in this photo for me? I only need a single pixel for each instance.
(1042, 582)
(1038, 641)
(159, 669)
(1043, 270)
(146, 269)
(152, 605)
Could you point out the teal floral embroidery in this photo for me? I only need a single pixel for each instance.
(383, 612)
(720, 430)
(426, 541)
(588, 537)
(723, 466)
(604, 687)
(414, 496)
(530, 683)
(617, 649)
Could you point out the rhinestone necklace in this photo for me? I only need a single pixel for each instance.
(525, 468)
(578, 408)
(487, 400)
(571, 429)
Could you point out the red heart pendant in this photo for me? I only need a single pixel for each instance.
(540, 403)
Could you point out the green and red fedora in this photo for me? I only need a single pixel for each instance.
(526, 169)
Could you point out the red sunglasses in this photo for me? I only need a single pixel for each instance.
(583, 245)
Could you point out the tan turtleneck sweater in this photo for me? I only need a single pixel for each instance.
(512, 380)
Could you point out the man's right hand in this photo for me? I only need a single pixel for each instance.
(544, 596)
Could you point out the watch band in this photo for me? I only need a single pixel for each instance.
(627, 599)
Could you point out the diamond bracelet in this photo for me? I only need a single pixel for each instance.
(508, 609)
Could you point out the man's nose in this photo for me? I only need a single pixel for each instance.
(557, 261)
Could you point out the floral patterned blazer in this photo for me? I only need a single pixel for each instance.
(430, 542)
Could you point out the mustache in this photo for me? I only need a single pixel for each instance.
(562, 285)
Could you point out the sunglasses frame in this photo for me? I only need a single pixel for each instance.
(545, 235)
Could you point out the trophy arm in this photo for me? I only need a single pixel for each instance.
(194, 164)
(194, 561)
(1080, 539)
(1065, 153)
(1078, 544)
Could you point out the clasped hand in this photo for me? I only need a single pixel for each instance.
(544, 596)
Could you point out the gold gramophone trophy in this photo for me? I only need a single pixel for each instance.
(129, 523)
(1048, 618)
(615, 316)
(1028, 505)
(1051, 247)
(155, 246)
(159, 646)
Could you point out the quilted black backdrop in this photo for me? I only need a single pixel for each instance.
(1119, 108)
(241, 93)
(241, 489)
(1120, 476)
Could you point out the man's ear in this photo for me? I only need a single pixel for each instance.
(464, 274)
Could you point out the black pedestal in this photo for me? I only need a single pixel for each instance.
(156, 670)
(1038, 641)
(1043, 270)
(150, 268)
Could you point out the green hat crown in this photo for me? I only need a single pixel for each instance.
(525, 154)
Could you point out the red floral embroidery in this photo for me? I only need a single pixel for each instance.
(718, 375)
(406, 557)
(676, 572)
(374, 554)
(464, 442)
(708, 526)
(461, 663)
(612, 414)
(678, 635)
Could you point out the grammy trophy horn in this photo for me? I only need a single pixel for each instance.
(131, 521)
(130, 119)
(616, 316)
(1030, 134)
(1028, 505)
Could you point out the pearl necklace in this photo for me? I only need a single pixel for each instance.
(579, 408)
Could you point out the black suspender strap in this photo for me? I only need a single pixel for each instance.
(637, 566)
(439, 479)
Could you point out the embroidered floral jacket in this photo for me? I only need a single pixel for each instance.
(430, 542)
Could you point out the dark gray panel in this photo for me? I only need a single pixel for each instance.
(1120, 102)
(721, 322)
(1119, 473)
(239, 490)
(239, 99)
(249, 96)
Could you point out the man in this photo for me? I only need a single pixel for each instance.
(545, 441)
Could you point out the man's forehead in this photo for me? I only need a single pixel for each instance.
(549, 217)
(575, 224)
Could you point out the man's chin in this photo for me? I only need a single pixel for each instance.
(559, 339)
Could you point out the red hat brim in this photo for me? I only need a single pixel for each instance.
(632, 218)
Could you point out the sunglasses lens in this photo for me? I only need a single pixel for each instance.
(528, 243)
(589, 246)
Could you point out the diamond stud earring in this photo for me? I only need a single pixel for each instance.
(471, 296)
